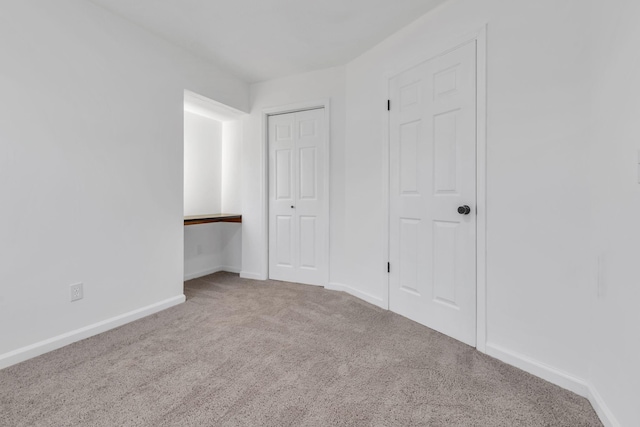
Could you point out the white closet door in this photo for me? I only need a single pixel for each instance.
(433, 174)
(297, 198)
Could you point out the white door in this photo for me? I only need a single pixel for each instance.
(297, 198)
(432, 246)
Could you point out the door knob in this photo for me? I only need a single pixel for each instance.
(464, 210)
(292, 207)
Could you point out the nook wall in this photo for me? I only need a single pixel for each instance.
(212, 185)
(202, 165)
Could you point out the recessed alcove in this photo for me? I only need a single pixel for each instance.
(212, 203)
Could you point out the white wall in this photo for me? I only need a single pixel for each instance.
(203, 250)
(314, 86)
(202, 165)
(209, 248)
(231, 197)
(231, 234)
(615, 373)
(91, 168)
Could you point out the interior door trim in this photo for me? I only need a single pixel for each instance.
(433, 50)
(264, 192)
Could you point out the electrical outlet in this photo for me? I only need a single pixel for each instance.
(76, 292)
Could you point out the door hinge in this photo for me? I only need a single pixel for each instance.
(388, 105)
(388, 267)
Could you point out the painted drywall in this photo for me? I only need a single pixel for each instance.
(308, 87)
(203, 251)
(615, 161)
(91, 167)
(202, 165)
(209, 248)
(231, 243)
(231, 237)
(212, 153)
(231, 197)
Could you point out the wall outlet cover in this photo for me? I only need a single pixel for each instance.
(76, 292)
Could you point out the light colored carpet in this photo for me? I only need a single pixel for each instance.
(247, 353)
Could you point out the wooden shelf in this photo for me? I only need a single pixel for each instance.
(206, 219)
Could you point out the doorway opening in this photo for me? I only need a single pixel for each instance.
(297, 192)
(212, 198)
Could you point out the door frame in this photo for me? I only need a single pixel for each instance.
(432, 51)
(294, 108)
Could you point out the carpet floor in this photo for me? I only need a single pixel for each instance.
(247, 353)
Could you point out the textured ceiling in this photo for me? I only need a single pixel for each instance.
(265, 39)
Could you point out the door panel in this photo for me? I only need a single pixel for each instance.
(432, 172)
(446, 151)
(409, 138)
(308, 241)
(308, 174)
(284, 238)
(284, 174)
(409, 255)
(296, 191)
(444, 261)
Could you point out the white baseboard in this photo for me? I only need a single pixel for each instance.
(601, 408)
(45, 346)
(558, 377)
(206, 272)
(254, 276)
(539, 369)
(200, 273)
(356, 293)
(231, 269)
